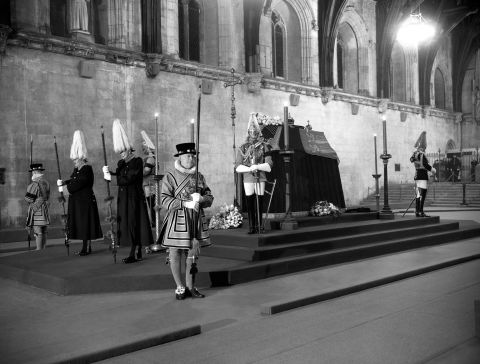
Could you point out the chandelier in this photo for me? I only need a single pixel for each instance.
(415, 30)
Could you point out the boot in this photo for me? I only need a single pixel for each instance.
(423, 197)
(84, 250)
(139, 252)
(251, 213)
(131, 257)
(260, 218)
(417, 207)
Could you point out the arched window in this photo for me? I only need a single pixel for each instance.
(439, 85)
(189, 29)
(347, 63)
(278, 46)
(339, 65)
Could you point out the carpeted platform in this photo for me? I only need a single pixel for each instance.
(235, 257)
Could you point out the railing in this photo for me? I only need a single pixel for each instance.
(455, 166)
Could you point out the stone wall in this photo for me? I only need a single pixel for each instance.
(43, 95)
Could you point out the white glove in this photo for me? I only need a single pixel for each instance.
(433, 170)
(191, 205)
(196, 197)
(60, 189)
(242, 169)
(105, 169)
(59, 183)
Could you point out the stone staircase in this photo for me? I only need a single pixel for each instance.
(439, 194)
(316, 244)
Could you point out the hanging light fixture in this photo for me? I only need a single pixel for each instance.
(415, 30)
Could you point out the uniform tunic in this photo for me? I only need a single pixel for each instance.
(148, 182)
(256, 152)
(133, 226)
(177, 226)
(419, 159)
(83, 221)
(38, 193)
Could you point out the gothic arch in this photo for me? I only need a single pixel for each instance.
(439, 89)
(349, 58)
(351, 17)
(450, 145)
(305, 18)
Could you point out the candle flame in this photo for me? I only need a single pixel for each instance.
(375, 135)
(384, 117)
(192, 121)
(156, 114)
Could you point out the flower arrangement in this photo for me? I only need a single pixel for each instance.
(227, 218)
(268, 120)
(324, 208)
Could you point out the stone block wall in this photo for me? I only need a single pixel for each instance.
(43, 95)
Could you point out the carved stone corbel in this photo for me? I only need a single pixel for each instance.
(5, 30)
(403, 116)
(326, 94)
(355, 108)
(458, 117)
(253, 82)
(382, 105)
(152, 65)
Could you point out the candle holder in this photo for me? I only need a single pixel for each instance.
(288, 223)
(237, 201)
(386, 213)
(376, 175)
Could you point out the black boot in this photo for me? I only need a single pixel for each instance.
(417, 207)
(131, 257)
(260, 218)
(139, 252)
(423, 197)
(84, 250)
(251, 213)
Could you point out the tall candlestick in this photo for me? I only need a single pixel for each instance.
(192, 131)
(285, 127)
(375, 145)
(384, 122)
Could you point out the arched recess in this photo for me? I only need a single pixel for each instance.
(439, 89)
(58, 18)
(349, 58)
(450, 145)
(198, 31)
(298, 18)
(279, 38)
(398, 74)
(359, 29)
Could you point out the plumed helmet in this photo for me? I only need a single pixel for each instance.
(147, 141)
(253, 123)
(121, 143)
(422, 141)
(79, 147)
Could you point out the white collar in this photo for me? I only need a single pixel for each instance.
(179, 168)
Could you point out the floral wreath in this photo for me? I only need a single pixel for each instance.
(324, 208)
(228, 217)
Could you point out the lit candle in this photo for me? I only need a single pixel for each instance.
(192, 130)
(285, 127)
(384, 122)
(375, 146)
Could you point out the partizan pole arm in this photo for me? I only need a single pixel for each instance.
(197, 145)
(61, 199)
(110, 218)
